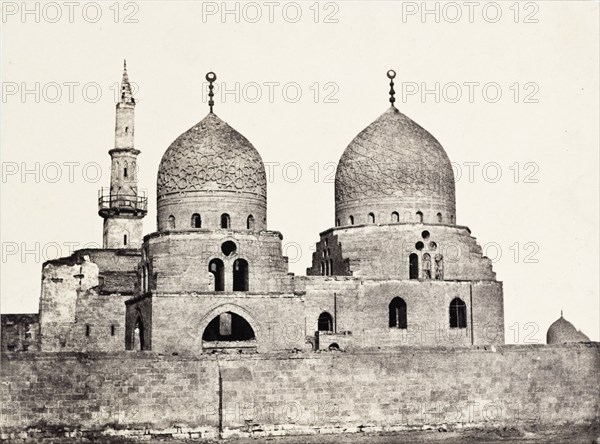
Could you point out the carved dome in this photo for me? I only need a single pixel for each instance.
(562, 331)
(211, 155)
(211, 170)
(394, 166)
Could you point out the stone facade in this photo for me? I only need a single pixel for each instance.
(398, 293)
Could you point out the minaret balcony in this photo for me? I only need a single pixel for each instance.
(132, 204)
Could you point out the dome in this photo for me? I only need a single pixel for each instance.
(211, 169)
(562, 331)
(394, 167)
(211, 155)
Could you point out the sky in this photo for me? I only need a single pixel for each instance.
(509, 89)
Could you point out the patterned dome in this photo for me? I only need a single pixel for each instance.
(211, 156)
(394, 165)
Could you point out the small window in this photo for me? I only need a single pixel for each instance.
(225, 221)
(171, 222)
(112, 330)
(196, 221)
(126, 129)
(125, 172)
(125, 239)
(322, 268)
(250, 222)
(371, 218)
(351, 220)
(88, 330)
(395, 217)
(451, 219)
(397, 309)
(419, 217)
(439, 218)
(337, 222)
(458, 313)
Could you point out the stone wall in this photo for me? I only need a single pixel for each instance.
(82, 301)
(382, 251)
(325, 392)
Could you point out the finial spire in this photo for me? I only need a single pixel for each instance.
(126, 94)
(561, 314)
(211, 77)
(391, 75)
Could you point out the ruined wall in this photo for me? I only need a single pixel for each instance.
(82, 303)
(305, 392)
(19, 332)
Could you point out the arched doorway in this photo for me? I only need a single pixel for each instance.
(217, 269)
(240, 275)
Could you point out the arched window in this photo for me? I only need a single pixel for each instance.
(395, 217)
(125, 169)
(439, 218)
(458, 314)
(351, 220)
(250, 222)
(322, 268)
(398, 313)
(225, 221)
(419, 217)
(413, 266)
(325, 322)
(327, 271)
(426, 266)
(371, 218)
(196, 221)
(171, 222)
(240, 275)
(330, 267)
(217, 269)
(439, 266)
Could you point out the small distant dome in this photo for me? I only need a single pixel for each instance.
(395, 166)
(562, 331)
(211, 169)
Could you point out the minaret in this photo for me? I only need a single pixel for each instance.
(122, 206)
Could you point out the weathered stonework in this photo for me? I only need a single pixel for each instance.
(198, 329)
